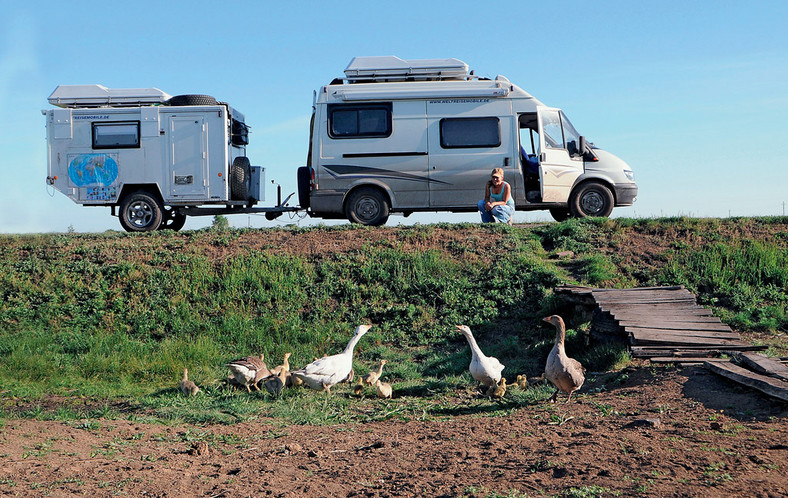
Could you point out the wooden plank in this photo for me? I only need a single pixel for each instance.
(681, 326)
(674, 319)
(685, 359)
(641, 309)
(646, 300)
(762, 364)
(682, 342)
(641, 289)
(657, 350)
(768, 385)
(652, 333)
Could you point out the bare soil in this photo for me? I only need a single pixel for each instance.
(660, 431)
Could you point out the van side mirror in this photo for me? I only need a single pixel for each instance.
(582, 146)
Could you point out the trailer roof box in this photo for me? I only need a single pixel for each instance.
(101, 96)
(390, 68)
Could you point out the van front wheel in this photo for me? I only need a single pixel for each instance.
(591, 199)
(367, 206)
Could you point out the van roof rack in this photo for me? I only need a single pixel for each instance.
(390, 68)
(101, 96)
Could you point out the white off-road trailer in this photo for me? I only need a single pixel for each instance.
(404, 136)
(152, 158)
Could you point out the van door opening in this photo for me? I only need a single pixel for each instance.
(529, 155)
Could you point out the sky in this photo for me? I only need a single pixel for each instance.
(692, 95)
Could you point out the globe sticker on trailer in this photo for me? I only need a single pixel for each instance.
(93, 169)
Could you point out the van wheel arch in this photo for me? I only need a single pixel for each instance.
(367, 205)
(591, 198)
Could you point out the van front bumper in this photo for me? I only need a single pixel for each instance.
(626, 194)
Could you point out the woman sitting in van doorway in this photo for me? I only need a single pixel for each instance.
(498, 203)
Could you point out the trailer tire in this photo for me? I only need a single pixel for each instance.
(591, 199)
(367, 206)
(303, 177)
(140, 212)
(179, 100)
(240, 178)
(559, 214)
(171, 219)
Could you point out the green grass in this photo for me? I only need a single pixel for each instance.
(116, 317)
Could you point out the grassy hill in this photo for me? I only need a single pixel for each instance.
(117, 316)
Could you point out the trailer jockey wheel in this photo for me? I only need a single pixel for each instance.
(140, 212)
(171, 219)
(367, 206)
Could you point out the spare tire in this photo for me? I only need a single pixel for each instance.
(240, 178)
(303, 176)
(192, 100)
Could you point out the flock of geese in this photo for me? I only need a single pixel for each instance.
(566, 374)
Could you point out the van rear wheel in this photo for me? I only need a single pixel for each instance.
(559, 214)
(367, 206)
(591, 199)
(140, 212)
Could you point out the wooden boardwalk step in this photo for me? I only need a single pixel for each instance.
(656, 320)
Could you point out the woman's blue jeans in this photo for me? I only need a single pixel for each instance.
(498, 213)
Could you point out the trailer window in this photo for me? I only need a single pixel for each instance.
(359, 121)
(116, 135)
(470, 132)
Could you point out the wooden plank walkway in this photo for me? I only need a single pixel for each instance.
(658, 321)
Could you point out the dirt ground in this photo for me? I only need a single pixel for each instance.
(660, 431)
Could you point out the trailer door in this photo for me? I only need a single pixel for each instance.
(467, 139)
(558, 168)
(188, 146)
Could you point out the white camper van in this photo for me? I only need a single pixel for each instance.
(152, 158)
(423, 135)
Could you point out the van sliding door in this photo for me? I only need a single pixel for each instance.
(467, 139)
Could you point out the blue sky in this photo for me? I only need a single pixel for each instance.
(693, 95)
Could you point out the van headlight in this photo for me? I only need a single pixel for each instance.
(629, 174)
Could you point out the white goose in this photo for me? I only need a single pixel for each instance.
(485, 369)
(327, 371)
(564, 372)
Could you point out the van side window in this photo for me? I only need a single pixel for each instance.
(359, 121)
(116, 135)
(470, 132)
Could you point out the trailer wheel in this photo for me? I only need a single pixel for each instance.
(591, 199)
(367, 206)
(171, 219)
(191, 100)
(559, 214)
(240, 178)
(140, 212)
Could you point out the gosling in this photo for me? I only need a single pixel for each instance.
(383, 389)
(188, 387)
